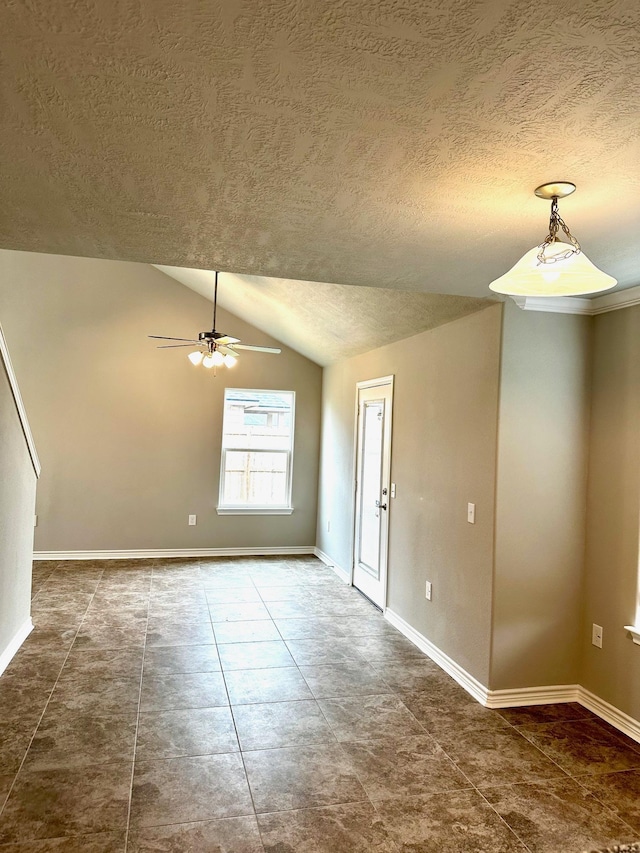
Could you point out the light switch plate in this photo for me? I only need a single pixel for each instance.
(192, 520)
(427, 591)
(596, 635)
(471, 513)
(393, 490)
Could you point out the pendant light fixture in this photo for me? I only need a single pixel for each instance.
(555, 267)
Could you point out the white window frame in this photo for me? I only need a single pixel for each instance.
(254, 509)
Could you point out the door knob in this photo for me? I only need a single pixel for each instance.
(381, 506)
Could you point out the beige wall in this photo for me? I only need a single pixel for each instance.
(613, 512)
(540, 509)
(128, 435)
(511, 617)
(17, 506)
(444, 444)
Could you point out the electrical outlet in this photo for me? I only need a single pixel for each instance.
(427, 591)
(193, 520)
(596, 635)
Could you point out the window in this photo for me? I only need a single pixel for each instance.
(257, 452)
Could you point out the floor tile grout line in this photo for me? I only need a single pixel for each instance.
(259, 814)
(235, 728)
(135, 739)
(238, 736)
(473, 785)
(37, 726)
(546, 755)
(620, 736)
(511, 829)
(564, 778)
(609, 808)
(366, 800)
(357, 775)
(579, 776)
(330, 727)
(276, 627)
(335, 741)
(479, 791)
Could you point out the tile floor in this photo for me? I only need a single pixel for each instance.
(252, 705)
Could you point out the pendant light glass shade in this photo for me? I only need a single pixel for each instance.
(230, 360)
(208, 361)
(195, 357)
(570, 276)
(555, 267)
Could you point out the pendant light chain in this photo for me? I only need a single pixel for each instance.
(556, 222)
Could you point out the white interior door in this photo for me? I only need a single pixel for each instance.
(373, 465)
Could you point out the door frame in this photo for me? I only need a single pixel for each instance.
(371, 383)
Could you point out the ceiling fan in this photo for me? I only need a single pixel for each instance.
(215, 348)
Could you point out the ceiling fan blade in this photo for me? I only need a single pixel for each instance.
(227, 351)
(165, 338)
(273, 350)
(226, 339)
(176, 346)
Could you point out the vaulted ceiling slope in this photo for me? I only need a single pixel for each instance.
(383, 143)
(327, 322)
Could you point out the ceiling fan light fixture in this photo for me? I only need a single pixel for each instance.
(210, 341)
(554, 268)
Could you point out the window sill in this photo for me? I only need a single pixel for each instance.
(254, 510)
(634, 630)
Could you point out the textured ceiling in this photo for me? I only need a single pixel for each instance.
(327, 322)
(390, 143)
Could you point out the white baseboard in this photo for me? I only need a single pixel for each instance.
(157, 553)
(343, 574)
(552, 694)
(517, 697)
(14, 644)
(464, 679)
(610, 714)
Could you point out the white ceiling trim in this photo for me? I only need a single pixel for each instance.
(577, 305)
